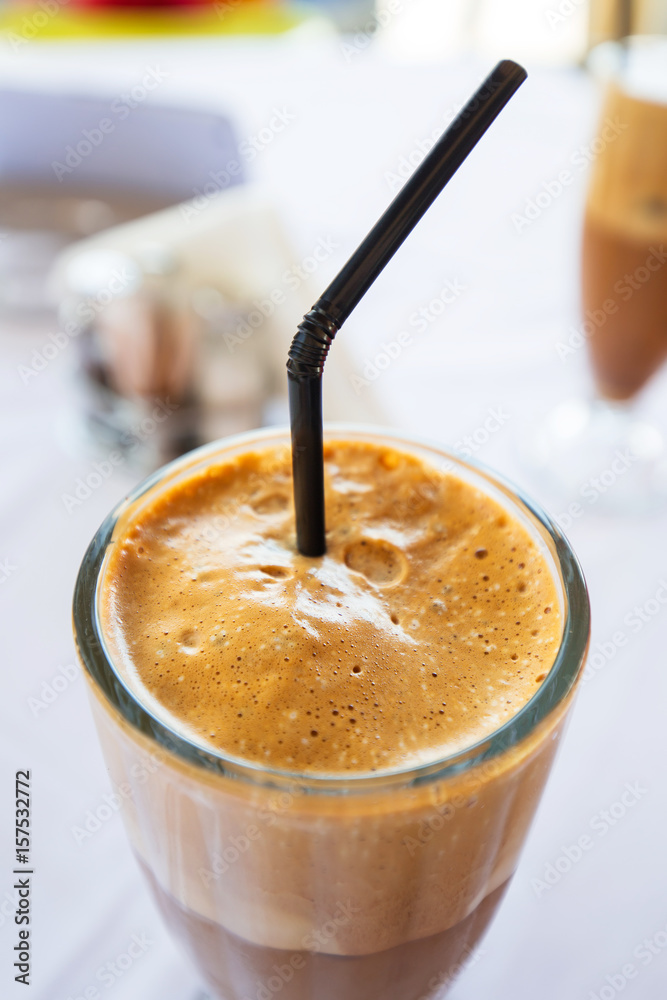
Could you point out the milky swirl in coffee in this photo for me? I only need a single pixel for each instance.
(432, 619)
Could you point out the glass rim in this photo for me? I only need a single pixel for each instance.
(557, 685)
(616, 62)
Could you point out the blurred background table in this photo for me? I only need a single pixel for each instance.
(486, 299)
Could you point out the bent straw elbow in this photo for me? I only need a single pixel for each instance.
(311, 343)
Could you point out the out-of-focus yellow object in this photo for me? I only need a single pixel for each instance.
(50, 20)
(613, 19)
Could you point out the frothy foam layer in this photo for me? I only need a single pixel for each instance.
(431, 620)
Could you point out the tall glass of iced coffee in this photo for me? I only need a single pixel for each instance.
(624, 257)
(624, 289)
(329, 766)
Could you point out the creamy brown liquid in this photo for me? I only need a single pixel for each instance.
(431, 620)
(424, 967)
(624, 258)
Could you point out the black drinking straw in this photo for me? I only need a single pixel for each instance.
(318, 328)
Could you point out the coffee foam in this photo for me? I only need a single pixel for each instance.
(431, 620)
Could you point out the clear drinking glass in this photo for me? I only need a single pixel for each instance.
(317, 888)
(623, 291)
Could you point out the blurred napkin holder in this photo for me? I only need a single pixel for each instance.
(191, 309)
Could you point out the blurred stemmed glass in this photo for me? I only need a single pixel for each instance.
(624, 293)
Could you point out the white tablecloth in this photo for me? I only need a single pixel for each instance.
(492, 348)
